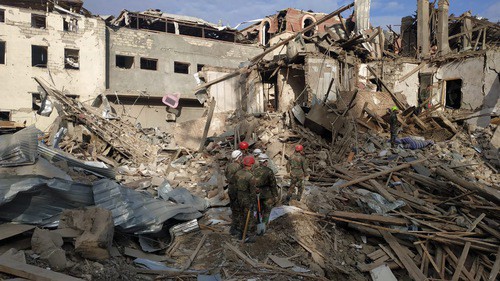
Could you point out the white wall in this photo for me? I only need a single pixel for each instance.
(16, 74)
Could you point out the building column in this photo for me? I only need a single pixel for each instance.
(423, 31)
(442, 30)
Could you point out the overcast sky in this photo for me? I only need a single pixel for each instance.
(236, 11)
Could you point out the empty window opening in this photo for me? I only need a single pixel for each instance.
(71, 59)
(5, 115)
(190, 30)
(308, 22)
(124, 61)
(376, 82)
(2, 15)
(454, 93)
(38, 21)
(181, 67)
(2, 52)
(149, 64)
(265, 33)
(39, 56)
(199, 67)
(70, 24)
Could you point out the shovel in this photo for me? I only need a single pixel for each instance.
(261, 227)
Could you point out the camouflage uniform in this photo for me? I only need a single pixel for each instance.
(394, 126)
(265, 180)
(297, 166)
(236, 211)
(247, 198)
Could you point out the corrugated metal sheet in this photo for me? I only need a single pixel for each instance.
(39, 200)
(138, 212)
(55, 155)
(19, 148)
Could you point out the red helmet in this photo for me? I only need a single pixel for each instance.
(248, 161)
(243, 145)
(299, 147)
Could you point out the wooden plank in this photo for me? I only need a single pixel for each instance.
(391, 254)
(193, 255)
(476, 222)
(382, 190)
(461, 262)
(412, 72)
(370, 217)
(454, 258)
(207, 124)
(431, 259)
(408, 263)
(32, 272)
(241, 255)
(486, 192)
(377, 254)
(378, 174)
(8, 230)
(496, 268)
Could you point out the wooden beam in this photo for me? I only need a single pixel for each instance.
(486, 192)
(461, 262)
(465, 32)
(8, 230)
(193, 255)
(378, 174)
(207, 124)
(31, 272)
(495, 269)
(422, 64)
(407, 262)
(400, 104)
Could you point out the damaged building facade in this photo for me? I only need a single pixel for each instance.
(152, 54)
(51, 41)
(134, 60)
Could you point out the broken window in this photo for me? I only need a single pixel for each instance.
(71, 59)
(2, 15)
(454, 93)
(199, 67)
(70, 24)
(149, 64)
(39, 56)
(38, 21)
(181, 67)
(2, 52)
(124, 61)
(4, 115)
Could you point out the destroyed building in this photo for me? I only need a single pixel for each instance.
(116, 190)
(56, 42)
(152, 54)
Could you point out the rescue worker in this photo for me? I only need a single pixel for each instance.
(256, 152)
(244, 148)
(247, 197)
(265, 185)
(232, 192)
(394, 125)
(297, 166)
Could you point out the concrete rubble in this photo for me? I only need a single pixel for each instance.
(99, 195)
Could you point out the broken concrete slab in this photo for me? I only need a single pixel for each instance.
(97, 229)
(48, 245)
